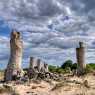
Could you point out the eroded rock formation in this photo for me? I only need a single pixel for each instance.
(14, 65)
(37, 67)
(80, 54)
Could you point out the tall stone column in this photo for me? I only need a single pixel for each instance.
(15, 60)
(32, 67)
(46, 67)
(33, 63)
(80, 55)
(36, 66)
(39, 65)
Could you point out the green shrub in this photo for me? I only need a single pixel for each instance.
(60, 70)
(66, 64)
(92, 65)
(69, 66)
(67, 70)
(52, 68)
(55, 69)
(89, 68)
(74, 66)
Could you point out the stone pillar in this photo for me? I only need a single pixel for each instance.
(33, 63)
(15, 60)
(46, 67)
(32, 67)
(36, 67)
(80, 55)
(39, 65)
(42, 68)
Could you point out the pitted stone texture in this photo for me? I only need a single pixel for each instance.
(37, 66)
(14, 64)
(33, 63)
(80, 54)
(46, 67)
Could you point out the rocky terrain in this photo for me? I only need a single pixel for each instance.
(70, 85)
(38, 80)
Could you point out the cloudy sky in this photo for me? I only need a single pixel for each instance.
(51, 29)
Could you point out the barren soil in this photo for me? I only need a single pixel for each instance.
(70, 86)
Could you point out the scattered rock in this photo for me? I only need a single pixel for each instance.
(85, 83)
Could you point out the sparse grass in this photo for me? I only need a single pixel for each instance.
(55, 69)
(15, 93)
(8, 89)
(1, 74)
(90, 68)
(69, 82)
(5, 89)
(58, 85)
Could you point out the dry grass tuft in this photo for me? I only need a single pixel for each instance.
(8, 89)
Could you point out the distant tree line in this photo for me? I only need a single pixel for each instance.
(68, 66)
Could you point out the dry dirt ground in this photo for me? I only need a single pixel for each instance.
(69, 86)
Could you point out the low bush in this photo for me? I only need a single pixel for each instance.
(52, 68)
(67, 64)
(59, 70)
(74, 66)
(89, 68)
(92, 65)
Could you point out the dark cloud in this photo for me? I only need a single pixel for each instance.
(48, 8)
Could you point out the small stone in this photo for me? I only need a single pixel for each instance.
(85, 83)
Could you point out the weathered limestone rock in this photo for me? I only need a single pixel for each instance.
(38, 64)
(33, 63)
(37, 67)
(38, 70)
(32, 72)
(14, 65)
(80, 54)
(46, 67)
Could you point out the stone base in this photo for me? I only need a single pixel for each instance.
(11, 75)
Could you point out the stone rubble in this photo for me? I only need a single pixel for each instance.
(39, 70)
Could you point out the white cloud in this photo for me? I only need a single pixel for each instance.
(48, 24)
